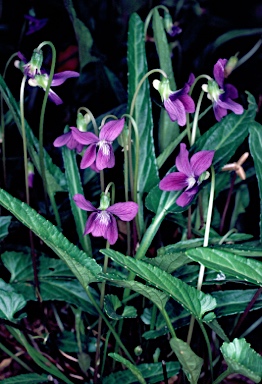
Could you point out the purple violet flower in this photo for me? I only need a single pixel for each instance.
(69, 140)
(221, 94)
(58, 79)
(190, 174)
(34, 24)
(177, 103)
(101, 222)
(103, 157)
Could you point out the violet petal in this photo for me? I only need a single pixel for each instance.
(201, 161)
(84, 138)
(54, 97)
(62, 140)
(105, 157)
(61, 77)
(218, 72)
(125, 211)
(90, 224)
(82, 203)
(89, 157)
(111, 233)
(174, 181)
(186, 197)
(182, 162)
(111, 130)
(176, 111)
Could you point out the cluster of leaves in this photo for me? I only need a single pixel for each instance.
(165, 300)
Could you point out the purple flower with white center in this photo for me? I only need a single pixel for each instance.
(69, 140)
(179, 103)
(221, 94)
(101, 222)
(99, 153)
(58, 79)
(190, 174)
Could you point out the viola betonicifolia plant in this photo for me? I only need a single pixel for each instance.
(126, 251)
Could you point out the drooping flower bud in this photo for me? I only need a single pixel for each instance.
(33, 67)
(213, 90)
(31, 174)
(82, 121)
(230, 65)
(104, 201)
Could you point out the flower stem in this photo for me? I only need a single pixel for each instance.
(223, 376)
(205, 244)
(41, 136)
(90, 114)
(194, 128)
(149, 16)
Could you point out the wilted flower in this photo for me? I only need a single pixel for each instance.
(101, 222)
(237, 166)
(103, 157)
(190, 174)
(178, 103)
(34, 24)
(30, 174)
(222, 94)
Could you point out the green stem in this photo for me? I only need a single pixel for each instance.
(168, 323)
(223, 376)
(109, 325)
(149, 16)
(41, 136)
(90, 114)
(205, 244)
(208, 348)
(153, 317)
(22, 89)
(194, 128)
(131, 112)
(16, 358)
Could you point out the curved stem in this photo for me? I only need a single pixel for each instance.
(197, 79)
(194, 128)
(90, 114)
(22, 89)
(223, 376)
(249, 54)
(41, 135)
(149, 16)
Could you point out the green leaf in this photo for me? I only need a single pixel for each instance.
(10, 303)
(152, 372)
(54, 177)
(4, 225)
(83, 36)
(242, 359)
(255, 141)
(74, 187)
(196, 302)
(157, 297)
(135, 371)
(84, 268)
(235, 33)
(137, 68)
(247, 249)
(244, 269)
(168, 259)
(191, 363)
(112, 303)
(28, 378)
(56, 280)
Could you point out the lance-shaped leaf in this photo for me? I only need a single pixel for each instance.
(157, 297)
(54, 176)
(27, 378)
(84, 268)
(74, 187)
(196, 302)
(112, 303)
(242, 268)
(255, 142)
(152, 372)
(191, 363)
(135, 371)
(142, 113)
(242, 359)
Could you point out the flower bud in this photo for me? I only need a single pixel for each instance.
(138, 350)
(33, 67)
(230, 65)
(104, 201)
(82, 121)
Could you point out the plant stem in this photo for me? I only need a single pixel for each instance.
(16, 358)
(223, 376)
(208, 348)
